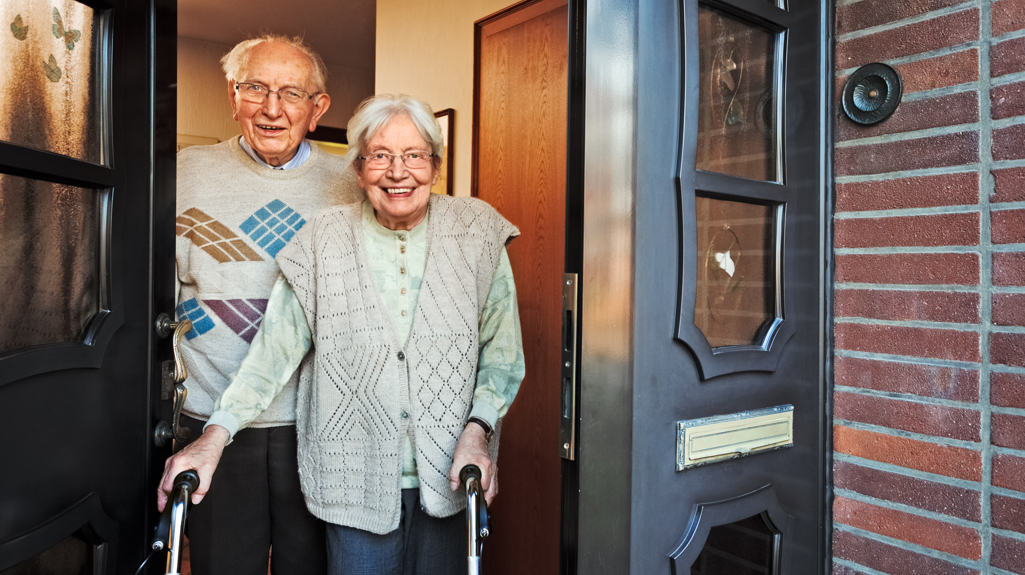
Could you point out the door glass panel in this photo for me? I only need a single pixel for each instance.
(71, 556)
(736, 285)
(736, 102)
(49, 83)
(49, 264)
(746, 547)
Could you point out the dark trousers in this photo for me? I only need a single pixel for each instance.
(255, 502)
(422, 545)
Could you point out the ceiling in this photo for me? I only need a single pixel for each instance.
(342, 31)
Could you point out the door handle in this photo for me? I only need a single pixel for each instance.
(174, 381)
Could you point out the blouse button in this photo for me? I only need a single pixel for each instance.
(402, 270)
(402, 291)
(402, 356)
(404, 414)
(403, 313)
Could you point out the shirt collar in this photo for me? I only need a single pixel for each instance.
(301, 155)
(374, 227)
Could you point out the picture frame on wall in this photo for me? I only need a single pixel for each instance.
(447, 119)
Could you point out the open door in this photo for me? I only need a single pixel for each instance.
(87, 117)
(704, 344)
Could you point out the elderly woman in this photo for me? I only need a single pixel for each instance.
(407, 307)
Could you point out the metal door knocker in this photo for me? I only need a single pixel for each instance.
(872, 94)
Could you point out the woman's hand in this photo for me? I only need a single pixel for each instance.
(473, 448)
(202, 455)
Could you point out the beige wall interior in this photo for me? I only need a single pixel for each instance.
(425, 49)
(203, 107)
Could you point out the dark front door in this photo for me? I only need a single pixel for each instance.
(86, 204)
(703, 433)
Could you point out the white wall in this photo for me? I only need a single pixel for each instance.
(203, 106)
(425, 49)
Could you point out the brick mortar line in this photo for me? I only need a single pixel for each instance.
(909, 397)
(949, 326)
(909, 509)
(1008, 492)
(1004, 206)
(1008, 451)
(1008, 369)
(937, 53)
(884, 250)
(900, 174)
(1003, 122)
(929, 361)
(1006, 248)
(907, 287)
(1003, 164)
(940, 92)
(1012, 35)
(999, 571)
(911, 135)
(986, 188)
(1008, 410)
(896, 24)
(1006, 79)
(906, 212)
(923, 437)
(908, 546)
(909, 472)
(1010, 534)
(1006, 329)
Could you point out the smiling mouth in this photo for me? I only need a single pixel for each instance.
(271, 128)
(398, 191)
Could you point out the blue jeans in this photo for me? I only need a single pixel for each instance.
(422, 545)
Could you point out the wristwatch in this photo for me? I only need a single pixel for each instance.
(488, 432)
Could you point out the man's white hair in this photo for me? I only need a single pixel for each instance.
(236, 62)
(376, 111)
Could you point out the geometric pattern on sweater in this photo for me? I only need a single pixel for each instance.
(351, 409)
(213, 237)
(201, 322)
(243, 316)
(272, 226)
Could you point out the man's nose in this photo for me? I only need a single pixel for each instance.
(272, 104)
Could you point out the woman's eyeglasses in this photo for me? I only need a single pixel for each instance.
(412, 160)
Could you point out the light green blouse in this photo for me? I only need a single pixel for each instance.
(397, 259)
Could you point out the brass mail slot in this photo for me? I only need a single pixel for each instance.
(721, 437)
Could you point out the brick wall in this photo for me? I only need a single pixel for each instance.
(929, 445)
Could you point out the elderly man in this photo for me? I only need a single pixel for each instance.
(239, 203)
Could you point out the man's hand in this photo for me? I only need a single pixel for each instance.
(202, 455)
(473, 448)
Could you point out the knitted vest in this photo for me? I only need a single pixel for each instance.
(233, 216)
(362, 391)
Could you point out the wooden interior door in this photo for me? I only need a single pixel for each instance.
(520, 116)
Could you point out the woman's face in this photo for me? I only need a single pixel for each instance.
(399, 195)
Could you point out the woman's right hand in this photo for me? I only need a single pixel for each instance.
(203, 455)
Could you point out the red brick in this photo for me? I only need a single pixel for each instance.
(1008, 143)
(897, 377)
(1008, 185)
(869, 13)
(929, 495)
(932, 533)
(1007, 57)
(918, 154)
(1009, 472)
(1007, 16)
(1008, 269)
(1008, 554)
(1007, 389)
(955, 307)
(1008, 513)
(938, 420)
(1008, 430)
(949, 344)
(845, 570)
(1007, 101)
(928, 230)
(902, 193)
(1009, 309)
(909, 269)
(1007, 348)
(1007, 226)
(890, 559)
(917, 38)
(940, 72)
(950, 110)
(948, 460)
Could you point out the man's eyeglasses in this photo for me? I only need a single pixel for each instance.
(257, 93)
(412, 160)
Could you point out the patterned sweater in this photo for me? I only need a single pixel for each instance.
(362, 392)
(233, 217)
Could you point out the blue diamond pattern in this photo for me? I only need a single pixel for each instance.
(201, 322)
(272, 226)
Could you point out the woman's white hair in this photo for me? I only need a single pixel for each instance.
(236, 62)
(376, 111)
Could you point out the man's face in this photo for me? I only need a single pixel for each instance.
(273, 128)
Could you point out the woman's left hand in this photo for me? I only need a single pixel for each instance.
(473, 448)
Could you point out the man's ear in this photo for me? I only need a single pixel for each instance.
(233, 100)
(321, 102)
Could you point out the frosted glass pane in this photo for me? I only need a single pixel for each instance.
(736, 102)
(736, 301)
(49, 80)
(49, 264)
